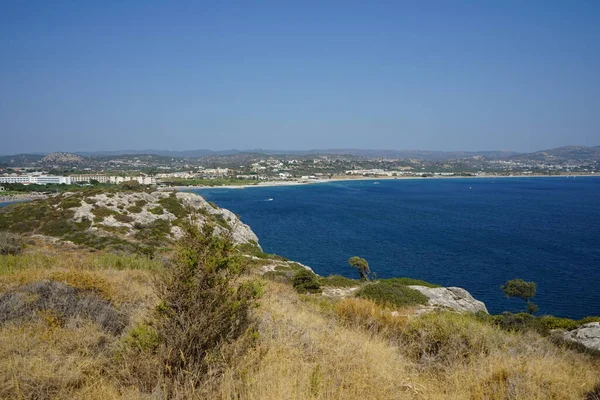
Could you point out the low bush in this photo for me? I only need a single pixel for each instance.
(158, 210)
(523, 322)
(174, 206)
(10, 243)
(70, 202)
(220, 220)
(102, 212)
(444, 338)
(63, 301)
(410, 281)
(252, 249)
(126, 219)
(202, 308)
(306, 282)
(338, 281)
(155, 233)
(135, 209)
(391, 294)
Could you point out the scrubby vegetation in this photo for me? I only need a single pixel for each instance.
(338, 281)
(10, 243)
(199, 321)
(544, 324)
(390, 293)
(172, 205)
(201, 309)
(306, 281)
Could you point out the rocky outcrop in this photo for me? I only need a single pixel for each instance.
(587, 335)
(241, 233)
(125, 211)
(455, 298)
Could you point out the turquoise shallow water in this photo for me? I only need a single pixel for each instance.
(473, 233)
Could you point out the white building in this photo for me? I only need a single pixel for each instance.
(35, 179)
(90, 177)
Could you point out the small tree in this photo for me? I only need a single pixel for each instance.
(361, 265)
(306, 281)
(524, 290)
(203, 305)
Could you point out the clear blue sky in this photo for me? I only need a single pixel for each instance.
(434, 75)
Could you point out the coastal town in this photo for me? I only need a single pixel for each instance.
(26, 172)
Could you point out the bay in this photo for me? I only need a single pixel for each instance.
(474, 233)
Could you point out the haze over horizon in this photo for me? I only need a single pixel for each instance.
(433, 75)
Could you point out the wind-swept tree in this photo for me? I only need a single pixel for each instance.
(524, 290)
(361, 265)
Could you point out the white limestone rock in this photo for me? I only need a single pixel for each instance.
(587, 335)
(120, 202)
(451, 297)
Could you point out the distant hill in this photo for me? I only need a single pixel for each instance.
(166, 153)
(559, 154)
(564, 154)
(62, 159)
(19, 160)
(419, 154)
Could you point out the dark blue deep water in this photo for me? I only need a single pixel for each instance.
(472, 233)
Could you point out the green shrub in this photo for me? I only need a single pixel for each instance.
(141, 203)
(221, 221)
(70, 202)
(135, 209)
(523, 322)
(102, 212)
(202, 307)
(391, 294)
(126, 219)
(158, 210)
(410, 281)
(252, 249)
(155, 233)
(174, 206)
(338, 281)
(10, 243)
(306, 282)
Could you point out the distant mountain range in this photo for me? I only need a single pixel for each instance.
(559, 154)
(419, 154)
(564, 154)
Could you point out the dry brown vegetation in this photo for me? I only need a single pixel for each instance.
(302, 346)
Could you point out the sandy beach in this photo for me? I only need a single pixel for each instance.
(364, 178)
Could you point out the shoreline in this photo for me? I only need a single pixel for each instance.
(21, 197)
(365, 178)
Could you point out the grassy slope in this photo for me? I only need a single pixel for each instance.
(308, 346)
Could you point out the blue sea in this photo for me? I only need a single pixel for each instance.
(472, 233)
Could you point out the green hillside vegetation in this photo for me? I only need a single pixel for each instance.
(201, 320)
(55, 217)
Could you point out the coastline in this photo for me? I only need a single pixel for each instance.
(366, 178)
(21, 197)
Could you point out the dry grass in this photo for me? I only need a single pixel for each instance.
(307, 347)
(304, 353)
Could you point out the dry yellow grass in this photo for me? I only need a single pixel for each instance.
(307, 348)
(304, 354)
